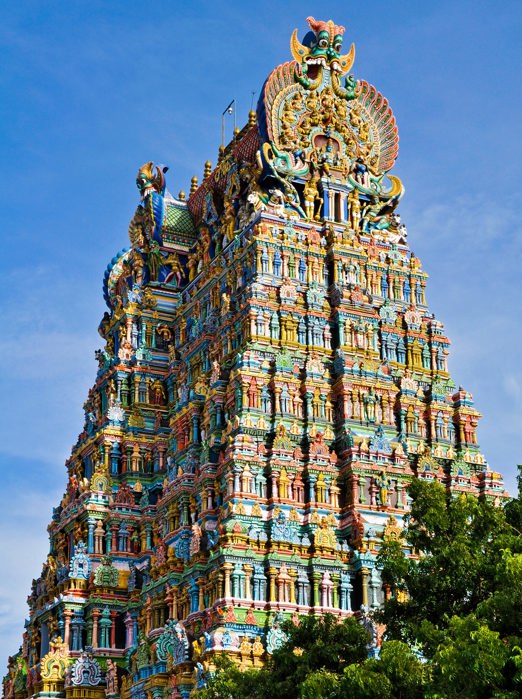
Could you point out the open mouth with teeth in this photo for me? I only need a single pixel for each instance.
(314, 66)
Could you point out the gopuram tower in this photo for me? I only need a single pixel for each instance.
(271, 380)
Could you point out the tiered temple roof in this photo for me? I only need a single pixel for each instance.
(271, 380)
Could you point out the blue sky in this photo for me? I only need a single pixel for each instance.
(91, 90)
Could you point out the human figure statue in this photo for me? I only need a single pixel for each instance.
(383, 482)
(311, 195)
(111, 678)
(355, 209)
(369, 405)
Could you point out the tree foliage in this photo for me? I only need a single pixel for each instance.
(326, 645)
(458, 542)
(460, 600)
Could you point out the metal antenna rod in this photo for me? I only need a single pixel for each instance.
(230, 109)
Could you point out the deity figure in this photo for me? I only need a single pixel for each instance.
(383, 482)
(228, 222)
(354, 209)
(157, 393)
(225, 303)
(196, 649)
(364, 131)
(50, 569)
(216, 370)
(369, 405)
(304, 128)
(205, 245)
(327, 104)
(111, 678)
(360, 172)
(374, 218)
(112, 393)
(398, 231)
(176, 270)
(257, 647)
(255, 197)
(323, 158)
(311, 195)
(154, 260)
(192, 265)
(97, 404)
(276, 202)
(137, 267)
(109, 346)
(355, 116)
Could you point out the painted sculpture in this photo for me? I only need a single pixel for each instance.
(271, 380)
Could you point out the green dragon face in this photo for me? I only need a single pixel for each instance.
(150, 178)
(330, 49)
(325, 52)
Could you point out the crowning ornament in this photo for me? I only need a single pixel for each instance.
(53, 667)
(317, 129)
(80, 562)
(173, 642)
(86, 670)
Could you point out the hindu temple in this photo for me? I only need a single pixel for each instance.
(270, 380)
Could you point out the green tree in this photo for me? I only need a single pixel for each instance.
(229, 682)
(462, 595)
(363, 682)
(406, 673)
(457, 540)
(320, 685)
(318, 648)
(470, 661)
(316, 643)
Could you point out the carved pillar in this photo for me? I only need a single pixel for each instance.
(335, 591)
(227, 568)
(90, 535)
(272, 572)
(201, 593)
(248, 569)
(374, 584)
(106, 454)
(114, 538)
(95, 616)
(399, 494)
(355, 489)
(67, 631)
(129, 627)
(148, 615)
(293, 578)
(343, 206)
(334, 496)
(364, 580)
(174, 614)
(331, 205)
(114, 614)
(316, 578)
